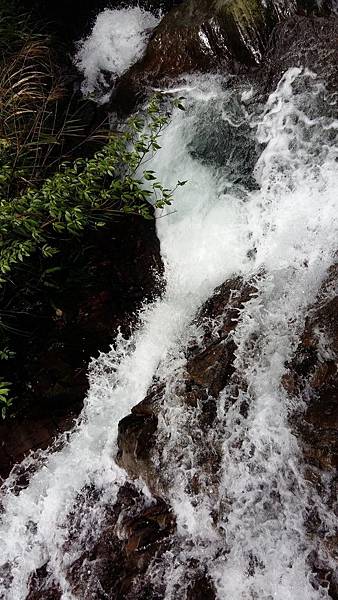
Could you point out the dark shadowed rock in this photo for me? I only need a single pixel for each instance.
(41, 588)
(51, 362)
(134, 533)
(201, 588)
(303, 42)
(137, 433)
(313, 375)
(208, 36)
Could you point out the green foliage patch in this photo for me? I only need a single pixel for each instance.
(48, 204)
(84, 194)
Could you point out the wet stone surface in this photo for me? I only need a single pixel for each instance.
(135, 533)
(313, 377)
(209, 367)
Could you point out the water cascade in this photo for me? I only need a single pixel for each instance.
(260, 203)
(117, 40)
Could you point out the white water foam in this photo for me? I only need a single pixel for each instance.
(118, 40)
(284, 229)
(291, 223)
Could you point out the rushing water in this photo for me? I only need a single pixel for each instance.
(261, 202)
(117, 40)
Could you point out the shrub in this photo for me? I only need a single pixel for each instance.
(47, 204)
(84, 194)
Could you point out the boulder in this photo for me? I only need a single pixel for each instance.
(207, 36)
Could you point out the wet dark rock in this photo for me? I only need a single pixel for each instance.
(323, 577)
(207, 36)
(201, 589)
(116, 561)
(208, 369)
(134, 534)
(135, 440)
(193, 37)
(303, 42)
(313, 376)
(41, 588)
(212, 367)
(211, 364)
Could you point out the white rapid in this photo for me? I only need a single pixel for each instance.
(261, 202)
(117, 40)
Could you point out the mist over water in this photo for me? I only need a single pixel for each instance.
(261, 203)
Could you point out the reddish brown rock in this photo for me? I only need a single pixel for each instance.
(202, 36)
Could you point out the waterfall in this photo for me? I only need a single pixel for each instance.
(261, 203)
(117, 40)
